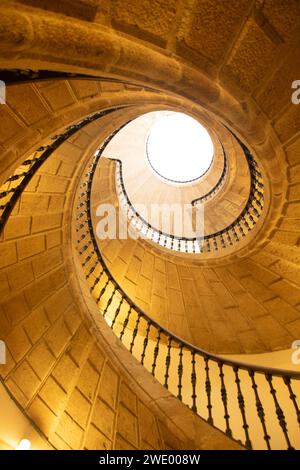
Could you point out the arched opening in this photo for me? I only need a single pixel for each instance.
(179, 148)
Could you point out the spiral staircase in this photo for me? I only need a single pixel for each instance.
(161, 340)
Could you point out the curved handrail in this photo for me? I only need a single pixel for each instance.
(13, 76)
(234, 232)
(210, 372)
(147, 340)
(163, 238)
(12, 188)
(230, 362)
(188, 345)
(218, 184)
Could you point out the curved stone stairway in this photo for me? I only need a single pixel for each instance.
(60, 351)
(141, 334)
(106, 294)
(227, 179)
(75, 384)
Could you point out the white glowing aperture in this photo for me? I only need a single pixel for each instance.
(24, 444)
(179, 148)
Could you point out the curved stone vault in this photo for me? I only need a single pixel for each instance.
(78, 72)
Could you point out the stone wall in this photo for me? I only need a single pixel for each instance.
(67, 381)
(237, 60)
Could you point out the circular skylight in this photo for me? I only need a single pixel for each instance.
(179, 148)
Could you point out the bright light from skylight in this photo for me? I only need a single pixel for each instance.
(179, 148)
